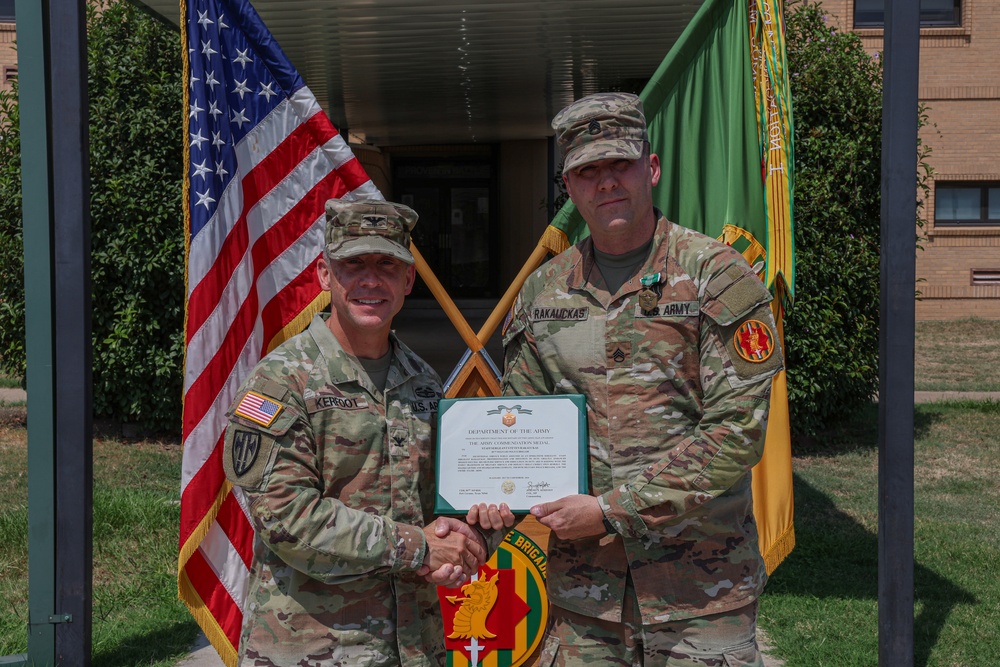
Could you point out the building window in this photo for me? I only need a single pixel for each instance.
(967, 203)
(933, 13)
(6, 11)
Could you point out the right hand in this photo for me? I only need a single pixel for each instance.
(460, 546)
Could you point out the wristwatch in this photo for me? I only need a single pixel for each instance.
(607, 526)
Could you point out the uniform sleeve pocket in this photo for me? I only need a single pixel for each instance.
(250, 442)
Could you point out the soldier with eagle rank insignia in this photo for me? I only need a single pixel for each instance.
(331, 441)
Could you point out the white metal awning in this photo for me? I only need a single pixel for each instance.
(450, 71)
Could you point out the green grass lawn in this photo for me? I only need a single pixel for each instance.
(137, 619)
(9, 382)
(821, 605)
(957, 356)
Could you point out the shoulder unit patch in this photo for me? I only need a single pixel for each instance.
(246, 447)
(754, 341)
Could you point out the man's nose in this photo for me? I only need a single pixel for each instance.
(606, 179)
(370, 276)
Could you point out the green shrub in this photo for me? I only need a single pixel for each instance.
(11, 238)
(137, 230)
(831, 331)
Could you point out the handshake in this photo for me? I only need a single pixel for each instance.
(456, 549)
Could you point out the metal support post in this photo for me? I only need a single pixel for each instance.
(70, 168)
(896, 334)
(55, 192)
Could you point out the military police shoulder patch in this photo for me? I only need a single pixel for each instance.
(752, 346)
(754, 341)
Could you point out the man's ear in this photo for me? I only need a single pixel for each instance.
(569, 189)
(411, 278)
(323, 274)
(654, 168)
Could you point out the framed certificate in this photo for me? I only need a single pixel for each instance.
(519, 450)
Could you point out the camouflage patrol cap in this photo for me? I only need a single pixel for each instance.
(368, 226)
(600, 126)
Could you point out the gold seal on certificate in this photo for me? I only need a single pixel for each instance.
(519, 450)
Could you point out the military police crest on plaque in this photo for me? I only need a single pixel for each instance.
(499, 617)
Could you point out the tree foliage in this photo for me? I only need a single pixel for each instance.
(831, 331)
(137, 237)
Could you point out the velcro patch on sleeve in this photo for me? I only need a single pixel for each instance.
(753, 345)
(258, 409)
(736, 299)
(246, 456)
(744, 294)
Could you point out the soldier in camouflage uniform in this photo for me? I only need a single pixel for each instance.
(331, 440)
(669, 335)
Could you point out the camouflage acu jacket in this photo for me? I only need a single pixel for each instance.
(338, 479)
(677, 379)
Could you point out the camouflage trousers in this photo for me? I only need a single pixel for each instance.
(720, 640)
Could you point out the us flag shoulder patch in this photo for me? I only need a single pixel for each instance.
(258, 409)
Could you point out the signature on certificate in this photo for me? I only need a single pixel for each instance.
(537, 487)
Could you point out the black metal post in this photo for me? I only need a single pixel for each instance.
(72, 329)
(896, 335)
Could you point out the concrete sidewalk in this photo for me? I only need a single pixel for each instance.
(202, 655)
(10, 395)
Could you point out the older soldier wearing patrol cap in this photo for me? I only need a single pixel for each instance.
(331, 440)
(669, 335)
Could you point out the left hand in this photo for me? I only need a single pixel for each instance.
(490, 517)
(572, 517)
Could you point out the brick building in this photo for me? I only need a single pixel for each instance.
(8, 56)
(959, 267)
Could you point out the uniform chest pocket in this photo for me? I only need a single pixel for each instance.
(570, 345)
(669, 336)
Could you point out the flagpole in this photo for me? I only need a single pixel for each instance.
(445, 301)
(493, 321)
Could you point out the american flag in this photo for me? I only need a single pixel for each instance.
(263, 159)
(257, 408)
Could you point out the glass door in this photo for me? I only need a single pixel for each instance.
(455, 232)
